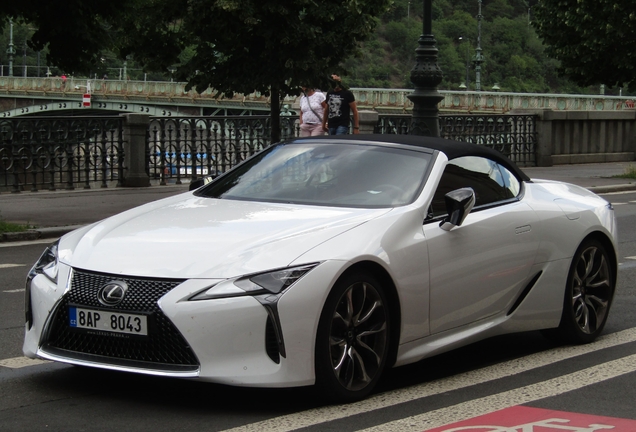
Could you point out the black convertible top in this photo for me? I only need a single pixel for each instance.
(451, 148)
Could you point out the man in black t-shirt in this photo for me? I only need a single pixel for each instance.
(341, 104)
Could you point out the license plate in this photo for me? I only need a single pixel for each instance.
(116, 322)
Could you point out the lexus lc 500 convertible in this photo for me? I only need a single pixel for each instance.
(325, 261)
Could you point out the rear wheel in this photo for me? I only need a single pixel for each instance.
(353, 339)
(588, 294)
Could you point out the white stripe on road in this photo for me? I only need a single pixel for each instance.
(20, 362)
(523, 395)
(15, 290)
(11, 265)
(631, 257)
(617, 193)
(325, 414)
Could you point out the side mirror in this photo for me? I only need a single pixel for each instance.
(458, 204)
(196, 184)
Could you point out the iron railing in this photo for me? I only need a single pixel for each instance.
(53, 152)
(184, 148)
(513, 135)
(68, 152)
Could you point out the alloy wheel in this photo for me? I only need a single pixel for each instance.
(591, 289)
(358, 336)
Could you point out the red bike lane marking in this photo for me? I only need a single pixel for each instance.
(528, 419)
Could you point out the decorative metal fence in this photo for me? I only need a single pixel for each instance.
(68, 152)
(52, 152)
(184, 148)
(513, 135)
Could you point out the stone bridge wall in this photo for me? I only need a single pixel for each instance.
(574, 137)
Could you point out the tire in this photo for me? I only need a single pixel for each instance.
(352, 341)
(588, 295)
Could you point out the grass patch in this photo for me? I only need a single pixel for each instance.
(8, 227)
(630, 173)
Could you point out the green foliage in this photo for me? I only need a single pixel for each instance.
(277, 45)
(592, 39)
(72, 33)
(248, 45)
(515, 57)
(7, 227)
(630, 173)
(269, 46)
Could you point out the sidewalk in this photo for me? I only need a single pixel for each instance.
(598, 177)
(56, 213)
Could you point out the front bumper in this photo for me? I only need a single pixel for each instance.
(230, 338)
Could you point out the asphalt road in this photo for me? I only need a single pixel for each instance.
(523, 370)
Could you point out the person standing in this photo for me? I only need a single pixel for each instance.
(312, 108)
(341, 104)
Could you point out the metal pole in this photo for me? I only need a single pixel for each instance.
(11, 50)
(426, 75)
(479, 58)
(468, 66)
(24, 65)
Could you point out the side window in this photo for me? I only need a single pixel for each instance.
(512, 184)
(490, 181)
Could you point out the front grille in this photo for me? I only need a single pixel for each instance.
(164, 348)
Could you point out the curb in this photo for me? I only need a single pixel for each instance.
(612, 188)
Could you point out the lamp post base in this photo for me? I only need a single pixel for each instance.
(425, 120)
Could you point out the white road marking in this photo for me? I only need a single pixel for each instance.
(519, 396)
(325, 414)
(26, 243)
(618, 193)
(615, 203)
(11, 265)
(20, 362)
(15, 290)
(631, 257)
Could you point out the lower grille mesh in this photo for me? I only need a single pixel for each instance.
(164, 348)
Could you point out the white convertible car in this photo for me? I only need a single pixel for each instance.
(324, 261)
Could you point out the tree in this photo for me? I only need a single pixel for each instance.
(593, 39)
(243, 46)
(74, 31)
(233, 46)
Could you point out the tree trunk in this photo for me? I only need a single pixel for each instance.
(275, 114)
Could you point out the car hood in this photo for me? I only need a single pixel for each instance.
(192, 237)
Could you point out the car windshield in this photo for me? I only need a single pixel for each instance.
(326, 174)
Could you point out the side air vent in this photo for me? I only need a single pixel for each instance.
(271, 342)
(524, 293)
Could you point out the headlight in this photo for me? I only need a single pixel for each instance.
(47, 266)
(272, 282)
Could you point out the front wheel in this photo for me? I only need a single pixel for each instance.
(352, 341)
(588, 294)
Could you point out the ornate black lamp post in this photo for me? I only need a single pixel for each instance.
(426, 75)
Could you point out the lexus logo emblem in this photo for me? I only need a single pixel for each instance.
(112, 293)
